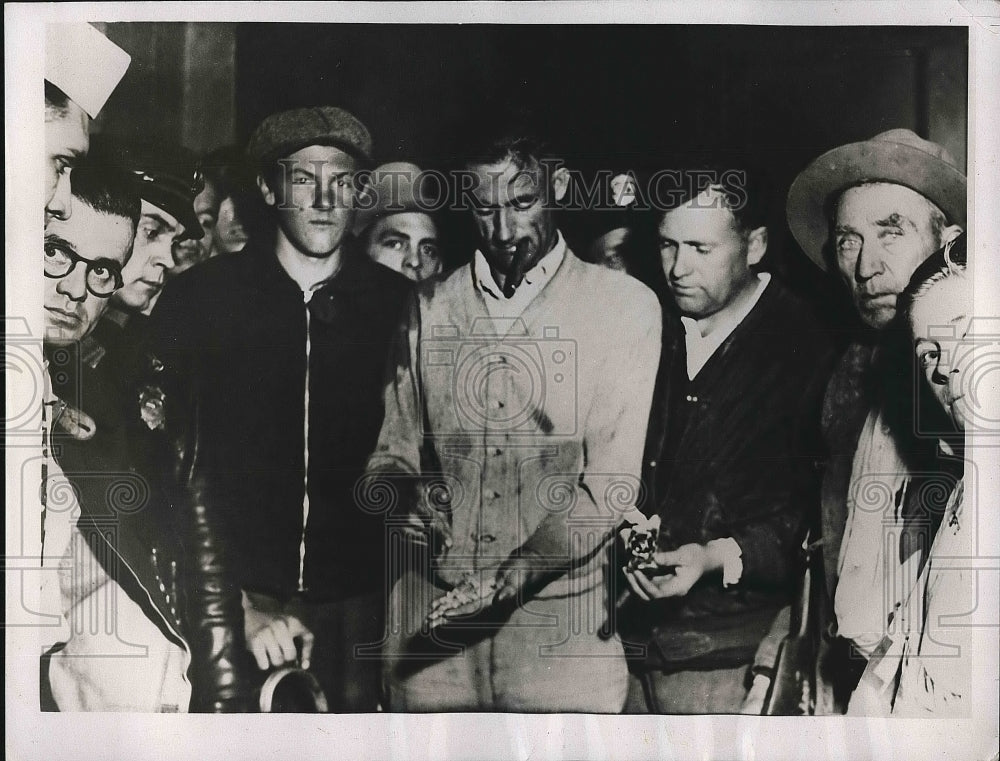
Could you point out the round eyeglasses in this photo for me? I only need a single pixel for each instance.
(103, 278)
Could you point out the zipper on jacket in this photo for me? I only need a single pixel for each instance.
(306, 297)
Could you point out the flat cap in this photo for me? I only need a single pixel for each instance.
(285, 132)
(165, 175)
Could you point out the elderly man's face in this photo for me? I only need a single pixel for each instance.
(513, 215)
(406, 243)
(881, 234)
(67, 138)
(92, 244)
(314, 199)
(152, 258)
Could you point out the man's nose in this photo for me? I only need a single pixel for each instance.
(682, 263)
(74, 284)
(329, 195)
(163, 254)
(60, 205)
(503, 229)
(870, 262)
(411, 258)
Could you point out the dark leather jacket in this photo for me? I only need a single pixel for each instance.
(142, 497)
(286, 490)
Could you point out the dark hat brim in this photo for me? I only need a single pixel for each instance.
(812, 192)
(175, 201)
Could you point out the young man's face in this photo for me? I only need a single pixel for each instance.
(407, 243)
(513, 215)
(152, 258)
(71, 309)
(705, 256)
(230, 235)
(314, 199)
(881, 234)
(67, 138)
(940, 320)
(190, 251)
(608, 249)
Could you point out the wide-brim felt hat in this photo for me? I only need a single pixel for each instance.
(395, 188)
(898, 156)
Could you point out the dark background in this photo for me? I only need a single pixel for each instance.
(618, 96)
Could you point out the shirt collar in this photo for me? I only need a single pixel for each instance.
(535, 278)
(693, 330)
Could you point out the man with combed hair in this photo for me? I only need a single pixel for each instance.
(873, 211)
(512, 444)
(141, 573)
(730, 450)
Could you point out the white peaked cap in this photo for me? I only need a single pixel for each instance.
(84, 64)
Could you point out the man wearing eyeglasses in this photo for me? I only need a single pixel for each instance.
(151, 628)
(84, 257)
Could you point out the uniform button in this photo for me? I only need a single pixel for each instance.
(483, 538)
(493, 494)
(694, 398)
(499, 404)
(688, 397)
(502, 359)
(652, 463)
(497, 451)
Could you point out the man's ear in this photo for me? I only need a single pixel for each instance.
(560, 183)
(756, 246)
(949, 234)
(265, 191)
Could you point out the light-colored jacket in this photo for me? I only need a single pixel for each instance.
(115, 658)
(529, 437)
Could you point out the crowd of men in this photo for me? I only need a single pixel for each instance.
(532, 482)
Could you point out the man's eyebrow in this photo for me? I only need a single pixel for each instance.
(841, 229)
(159, 220)
(60, 242)
(895, 220)
(392, 232)
(74, 154)
(523, 197)
(957, 319)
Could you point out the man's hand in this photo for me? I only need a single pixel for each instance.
(526, 572)
(271, 637)
(685, 565)
(518, 577)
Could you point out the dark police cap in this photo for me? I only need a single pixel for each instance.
(165, 175)
(283, 133)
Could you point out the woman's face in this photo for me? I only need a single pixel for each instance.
(940, 321)
(230, 236)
